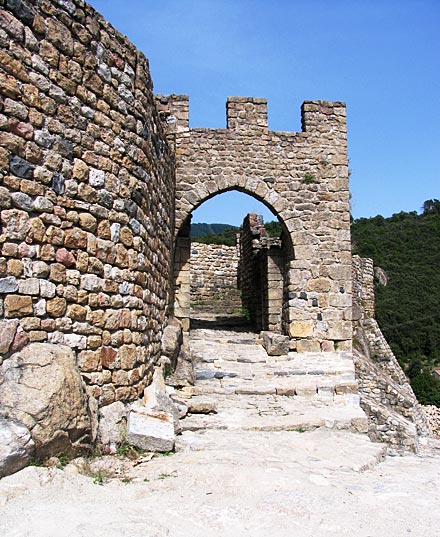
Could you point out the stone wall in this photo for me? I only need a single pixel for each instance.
(302, 177)
(87, 195)
(395, 415)
(213, 270)
(363, 287)
(260, 274)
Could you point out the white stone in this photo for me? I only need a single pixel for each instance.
(43, 205)
(75, 341)
(90, 282)
(40, 308)
(73, 277)
(151, 432)
(27, 267)
(40, 269)
(96, 177)
(115, 230)
(16, 447)
(47, 289)
(112, 427)
(30, 286)
(56, 338)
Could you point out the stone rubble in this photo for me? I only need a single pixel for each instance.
(153, 422)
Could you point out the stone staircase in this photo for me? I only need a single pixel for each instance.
(239, 387)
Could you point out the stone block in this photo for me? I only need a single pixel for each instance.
(8, 284)
(56, 307)
(152, 431)
(18, 306)
(43, 389)
(65, 258)
(7, 334)
(340, 330)
(127, 356)
(30, 286)
(15, 224)
(320, 285)
(112, 426)
(16, 447)
(327, 346)
(89, 361)
(75, 238)
(301, 329)
(308, 345)
(47, 289)
(172, 339)
(275, 344)
(201, 407)
(15, 267)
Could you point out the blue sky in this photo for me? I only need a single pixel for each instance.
(382, 57)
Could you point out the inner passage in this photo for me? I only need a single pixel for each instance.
(240, 282)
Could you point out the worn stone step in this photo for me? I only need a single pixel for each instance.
(321, 449)
(265, 386)
(253, 391)
(343, 418)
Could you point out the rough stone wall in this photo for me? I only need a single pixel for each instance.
(302, 177)
(87, 195)
(249, 268)
(213, 270)
(260, 274)
(363, 287)
(395, 415)
(273, 268)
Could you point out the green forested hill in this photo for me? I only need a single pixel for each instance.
(214, 234)
(226, 234)
(201, 230)
(407, 247)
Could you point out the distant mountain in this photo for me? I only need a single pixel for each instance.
(198, 230)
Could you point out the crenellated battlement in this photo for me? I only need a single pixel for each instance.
(173, 111)
(244, 113)
(249, 114)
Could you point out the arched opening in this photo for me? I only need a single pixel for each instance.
(204, 279)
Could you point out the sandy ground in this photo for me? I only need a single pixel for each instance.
(321, 483)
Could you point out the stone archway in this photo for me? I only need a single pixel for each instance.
(302, 176)
(273, 263)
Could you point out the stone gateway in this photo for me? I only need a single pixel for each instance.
(98, 180)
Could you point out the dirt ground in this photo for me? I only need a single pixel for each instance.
(234, 483)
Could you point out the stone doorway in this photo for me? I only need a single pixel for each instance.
(242, 285)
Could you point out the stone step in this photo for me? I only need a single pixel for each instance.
(320, 450)
(251, 391)
(290, 386)
(280, 413)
